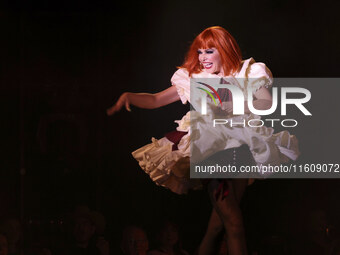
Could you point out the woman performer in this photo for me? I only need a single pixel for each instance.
(214, 53)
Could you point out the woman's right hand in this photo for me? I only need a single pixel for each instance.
(122, 101)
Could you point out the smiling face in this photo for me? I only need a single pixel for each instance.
(210, 60)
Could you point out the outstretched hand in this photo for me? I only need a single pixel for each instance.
(225, 109)
(122, 101)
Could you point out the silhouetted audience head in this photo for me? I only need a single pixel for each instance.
(168, 234)
(12, 229)
(168, 239)
(86, 230)
(87, 223)
(3, 244)
(334, 248)
(134, 241)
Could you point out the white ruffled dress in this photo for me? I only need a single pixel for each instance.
(169, 168)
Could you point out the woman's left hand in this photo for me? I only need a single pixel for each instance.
(227, 106)
(122, 101)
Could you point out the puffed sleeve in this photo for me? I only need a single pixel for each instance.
(259, 76)
(181, 80)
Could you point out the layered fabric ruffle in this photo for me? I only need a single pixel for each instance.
(267, 147)
(171, 169)
(168, 168)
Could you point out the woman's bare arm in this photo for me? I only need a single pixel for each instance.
(262, 101)
(145, 100)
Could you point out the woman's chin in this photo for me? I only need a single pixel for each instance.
(209, 71)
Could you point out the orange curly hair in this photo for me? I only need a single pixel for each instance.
(219, 38)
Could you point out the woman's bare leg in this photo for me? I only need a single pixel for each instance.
(209, 243)
(230, 214)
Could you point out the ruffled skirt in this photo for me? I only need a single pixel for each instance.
(171, 168)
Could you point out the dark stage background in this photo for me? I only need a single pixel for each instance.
(63, 63)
